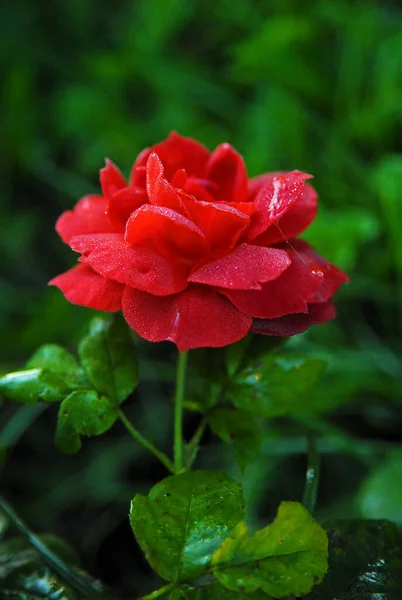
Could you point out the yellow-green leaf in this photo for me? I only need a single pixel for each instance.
(287, 557)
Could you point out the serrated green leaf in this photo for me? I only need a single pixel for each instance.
(83, 412)
(287, 557)
(240, 430)
(58, 360)
(32, 386)
(365, 562)
(277, 386)
(184, 519)
(108, 356)
(381, 494)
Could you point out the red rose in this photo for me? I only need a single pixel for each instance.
(194, 252)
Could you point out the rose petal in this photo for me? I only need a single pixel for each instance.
(140, 267)
(176, 152)
(138, 174)
(81, 285)
(111, 179)
(160, 191)
(243, 269)
(333, 277)
(294, 221)
(222, 225)
(167, 231)
(287, 294)
(195, 318)
(296, 323)
(226, 169)
(123, 203)
(88, 216)
(274, 199)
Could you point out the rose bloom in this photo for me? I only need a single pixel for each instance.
(194, 252)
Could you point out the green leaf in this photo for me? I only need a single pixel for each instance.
(109, 358)
(278, 386)
(184, 519)
(381, 494)
(59, 361)
(249, 349)
(32, 386)
(365, 562)
(83, 413)
(240, 430)
(287, 557)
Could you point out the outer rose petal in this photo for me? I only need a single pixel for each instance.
(274, 200)
(294, 221)
(88, 216)
(81, 285)
(287, 294)
(296, 323)
(227, 170)
(243, 269)
(138, 266)
(176, 152)
(167, 231)
(111, 179)
(123, 203)
(160, 191)
(194, 318)
(333, 277)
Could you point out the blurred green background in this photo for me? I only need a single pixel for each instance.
(314, 86)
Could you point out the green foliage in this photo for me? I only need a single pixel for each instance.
(59, 361)
(287, 557)
(252, 73)
(184, 519)
(365, 562)
(108, 357)
(276, 386)
(381, 494)
(240, 430)
(108, 363)
(24, 576)
(32, 386)
(83, 412)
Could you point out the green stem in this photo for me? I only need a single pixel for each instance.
(146, 443)
(312, 475)
(65, 571)
(178, 411)
(157, 593)
(193, 445)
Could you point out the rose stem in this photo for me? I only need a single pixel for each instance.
(312, 475)
(146, 443)
(178, 411)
